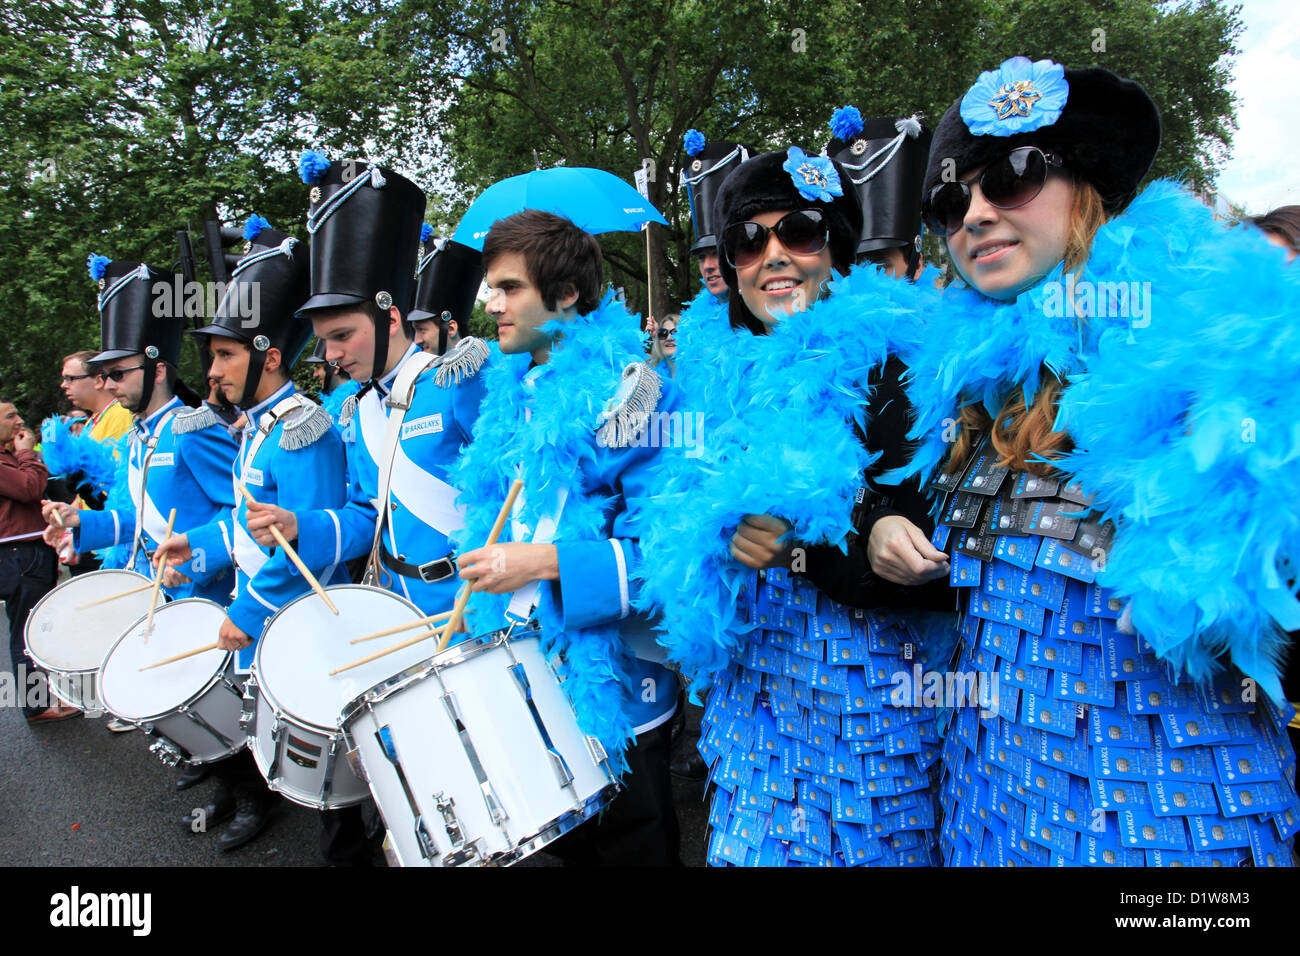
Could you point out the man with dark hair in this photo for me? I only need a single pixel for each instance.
(573, 553)
(27, 565)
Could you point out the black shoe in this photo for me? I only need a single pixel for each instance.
(192, 775)
(220, 809)
(689, 766)
(253, 814)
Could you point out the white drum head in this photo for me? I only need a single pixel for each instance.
(63, 638)
(305, 641)
(180, 626)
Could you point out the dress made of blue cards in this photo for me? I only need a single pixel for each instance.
(1077, 746)
(813, 762)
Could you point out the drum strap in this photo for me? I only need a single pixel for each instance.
(150, 445)
(266, 425)
(399, 403)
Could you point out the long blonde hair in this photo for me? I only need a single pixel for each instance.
(1021, 434)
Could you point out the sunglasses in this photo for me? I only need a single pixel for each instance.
(667, 333)
(803, 232)
(1013, 181)
(117, 374)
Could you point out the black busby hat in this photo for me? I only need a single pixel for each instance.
(885, 160)
(260, 304)
(1106, 128)
(448, 279)
(364, 222)
(707, 167)
(138, 313)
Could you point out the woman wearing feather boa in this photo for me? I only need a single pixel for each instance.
(815, 759)
(1107, 403)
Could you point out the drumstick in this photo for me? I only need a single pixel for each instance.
(461, 599)
(113, 597)
(180, 657)
(431, 619)
(293, 556)
(58, 518)
(157, 581)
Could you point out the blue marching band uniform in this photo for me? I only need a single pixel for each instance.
(1121, 704)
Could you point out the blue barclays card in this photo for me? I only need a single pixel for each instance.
(1123, 763)
(1186, 730)
(1044, 780)
(753, 800)
(1106, 850)
(1026, 677)
(1103, 602)
(749, 831)
(773, 853)
(1265, 847)
(882, 640)
(776, 784)
(1079, 813)
(1213, 832)
(810, 647)
(1245, 763)
(1032, 853)
(905, 740)
(919, 817)
(1044, 588)
(764, 658)
(877, 786)
(1190, 858)
(1181, 797)
(849, 650)
(726, 849)
(1228, 698)
(1055, 556)
(1064, 753)
(1255, 798)
(821, 733)
(859, 847)
(1287, 822)
(829, 702)
(1070, 621)
(849, 807)
(1146, 831)
(1042, 830)
(1090, 685)
(1059, 655)
(1048, 713)
(1120, 794)
(1005, 581)
(740, 733)
(964, 571)
(1017, 551)
(1194, 764)
(940, 537)
(830, 678)
(1000, 639)
(1027, 617)
(1123, 660)
(797, 668)
(812, 795)
(1005, 701)
(845, 764)
(1161, 697)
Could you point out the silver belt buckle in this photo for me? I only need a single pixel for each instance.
(426, 569)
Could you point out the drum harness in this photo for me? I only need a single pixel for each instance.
(150, 444)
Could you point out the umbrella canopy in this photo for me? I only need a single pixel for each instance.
(592, 199)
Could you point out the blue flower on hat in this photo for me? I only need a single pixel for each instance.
(97, 265)
(425, 232)
(1019, 96)
(814, 176)
(254, 226)
(312, 166)
(693, 141)
(846, 122)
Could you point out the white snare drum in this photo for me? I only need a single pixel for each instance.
(292, 704)
(192, 706)
(475, 756)
(71, 643)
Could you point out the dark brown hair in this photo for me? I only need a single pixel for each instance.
(560, 257)
(1283, 221)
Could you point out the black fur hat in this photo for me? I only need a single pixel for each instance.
(1107, 132)
(761, 185)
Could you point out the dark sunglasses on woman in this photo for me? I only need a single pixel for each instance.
(667, 334)
(1010, 182)
(803, 232)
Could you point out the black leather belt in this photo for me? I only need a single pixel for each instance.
(430, 573)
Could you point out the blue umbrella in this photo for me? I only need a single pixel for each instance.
(592, 199)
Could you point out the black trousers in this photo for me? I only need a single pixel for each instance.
(28, 571)
(639, 828)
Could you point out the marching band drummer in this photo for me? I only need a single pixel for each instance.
(289, 452)
(566, 356)
(442, 392)
(358, 308)
(174, 461)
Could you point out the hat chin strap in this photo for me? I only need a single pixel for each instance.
(380, 317)
(443, 322)
(253, 378)
(146, 389)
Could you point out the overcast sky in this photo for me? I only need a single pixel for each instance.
(1261, 173)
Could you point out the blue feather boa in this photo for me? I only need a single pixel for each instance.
(66, 452)
(778, 439)
(584, 371)
(1183, 422)
(333, 402)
